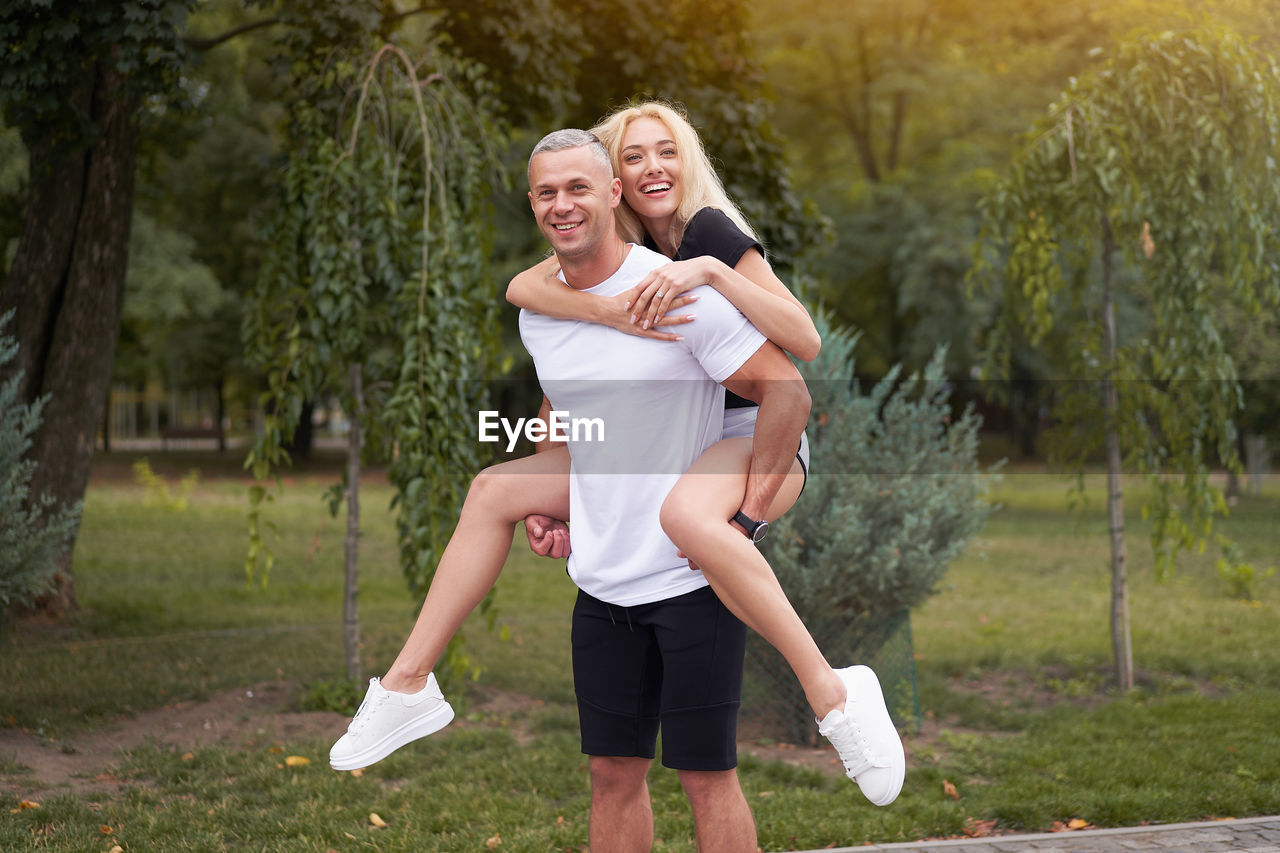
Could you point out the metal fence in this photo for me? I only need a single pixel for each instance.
(773, 705)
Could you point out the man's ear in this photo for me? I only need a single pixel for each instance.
(615, 192)
(531, 204)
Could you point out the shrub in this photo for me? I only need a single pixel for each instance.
(894, 495)
(33, 532)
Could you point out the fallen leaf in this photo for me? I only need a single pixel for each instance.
(276, 750)
(23, 805)
(950, 790)
(187, 756)
(297, 761)
(1077, 823)
(492, 843)
(978, 828)
(377, 821)
(106, 830)
(116, 848)
(358, 772)
(560, 820)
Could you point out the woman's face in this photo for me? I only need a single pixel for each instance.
(650, 169)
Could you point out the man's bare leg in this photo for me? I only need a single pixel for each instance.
(721, 817)
(621, 813)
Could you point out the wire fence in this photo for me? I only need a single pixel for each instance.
(774, 706)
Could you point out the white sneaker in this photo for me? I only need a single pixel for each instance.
(387, 721)
(866, 738)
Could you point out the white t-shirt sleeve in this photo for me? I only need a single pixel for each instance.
(720, 337)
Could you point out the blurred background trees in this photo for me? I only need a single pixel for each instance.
(859, 138)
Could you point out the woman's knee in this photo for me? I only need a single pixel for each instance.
(496, 493)
(681, 517)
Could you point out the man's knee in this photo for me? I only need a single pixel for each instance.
(618, 775)
(709, 787)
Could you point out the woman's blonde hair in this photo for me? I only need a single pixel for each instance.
(702, 186)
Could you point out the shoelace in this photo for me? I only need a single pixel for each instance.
(851, 745)
(366, 709)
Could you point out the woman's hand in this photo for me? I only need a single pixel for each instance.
(661, 290)
(621, 314)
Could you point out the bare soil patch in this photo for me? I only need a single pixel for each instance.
(236, 719)
(264, 715)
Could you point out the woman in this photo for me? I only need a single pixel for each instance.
(674, 200)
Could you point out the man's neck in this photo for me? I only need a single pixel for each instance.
(586, 272)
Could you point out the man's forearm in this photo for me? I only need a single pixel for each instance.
(784, 411)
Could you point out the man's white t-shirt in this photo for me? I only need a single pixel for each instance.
(660, 405)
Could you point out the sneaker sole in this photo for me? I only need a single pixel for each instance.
(408, 733)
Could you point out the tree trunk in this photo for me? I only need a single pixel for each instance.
(67, 283)
(1121, 642)
(220, 413)
(350, 613)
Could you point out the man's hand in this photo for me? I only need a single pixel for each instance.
(548, 537)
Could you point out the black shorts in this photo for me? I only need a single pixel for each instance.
(675, 663)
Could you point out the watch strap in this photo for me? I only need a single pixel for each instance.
(749, 524)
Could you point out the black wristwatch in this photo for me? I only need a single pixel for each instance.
(755, 529)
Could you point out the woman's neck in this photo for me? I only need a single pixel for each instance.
(660, 231)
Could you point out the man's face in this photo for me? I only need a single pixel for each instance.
(573, 196)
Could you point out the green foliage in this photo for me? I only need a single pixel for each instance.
(377, 257)
(171, 304)
(340, 695)
(158, 493)
(894, 495)
(572, 61)
(50, 44)
(13, 193)
(33, 532)
(1163, 157)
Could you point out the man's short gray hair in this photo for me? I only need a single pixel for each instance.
(572, 137)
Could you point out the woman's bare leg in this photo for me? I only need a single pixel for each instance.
(499, 497)
(695, 515)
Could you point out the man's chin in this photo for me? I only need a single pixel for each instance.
(569, 248)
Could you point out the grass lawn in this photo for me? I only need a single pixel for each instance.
(1013, 659)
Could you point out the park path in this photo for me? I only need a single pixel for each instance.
(1250, 835)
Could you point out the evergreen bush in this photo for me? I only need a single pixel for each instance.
(32, 532)
(894, 491)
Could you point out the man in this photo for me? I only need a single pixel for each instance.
(652, 645)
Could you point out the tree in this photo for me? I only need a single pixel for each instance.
(374, 287)
(1155, 175)
(32, 532)
(72, 78)
(75, 75)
